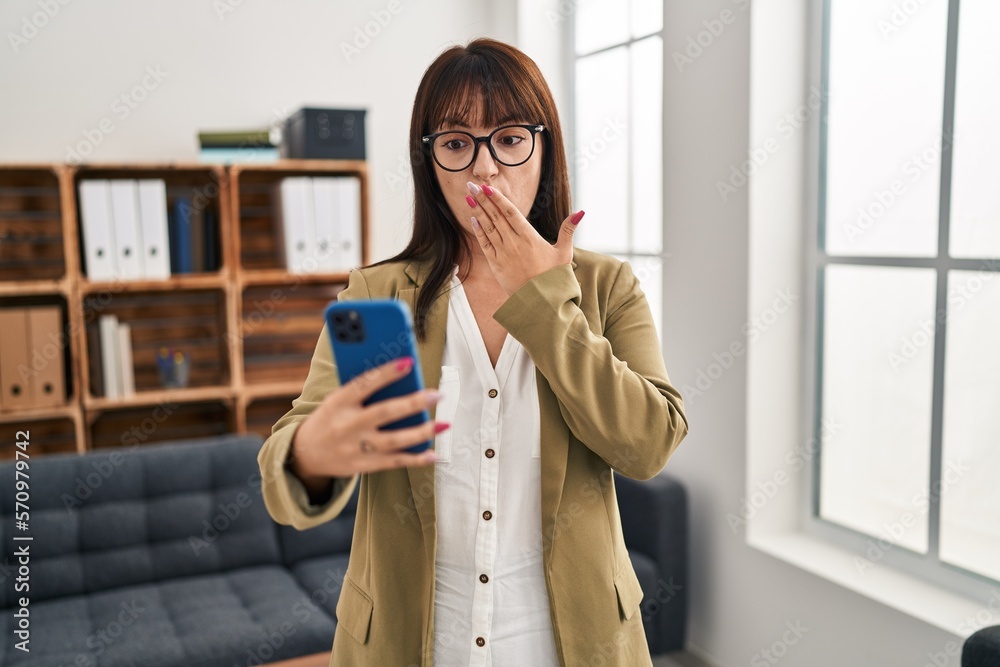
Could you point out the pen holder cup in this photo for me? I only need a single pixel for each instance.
(175, 374)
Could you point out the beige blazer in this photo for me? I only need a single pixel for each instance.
(605, 404)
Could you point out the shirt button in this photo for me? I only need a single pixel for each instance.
(487, 515)
(493, 393)
(480, 641)
(490, 453)
(483, 578)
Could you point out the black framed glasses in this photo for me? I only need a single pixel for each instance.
(510, 145)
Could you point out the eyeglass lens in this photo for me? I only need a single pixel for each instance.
(512, 146)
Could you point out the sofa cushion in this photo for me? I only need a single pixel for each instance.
(659, 598)
(248, 616)
(332, 537)
(121, 517)
(322, 579)
(982, 648)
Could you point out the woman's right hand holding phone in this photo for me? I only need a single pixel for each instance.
(328, 443)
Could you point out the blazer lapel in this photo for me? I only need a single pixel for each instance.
(431, 351)
(554, 432)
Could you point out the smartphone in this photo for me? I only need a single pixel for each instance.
(366, 334)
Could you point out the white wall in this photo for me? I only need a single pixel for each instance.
(234, 71)
(224, 70)
(741, 599)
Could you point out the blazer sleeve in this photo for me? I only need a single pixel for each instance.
(613, 390)
(285, 495)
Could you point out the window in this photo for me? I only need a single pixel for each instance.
(617, 162)
(907, 280)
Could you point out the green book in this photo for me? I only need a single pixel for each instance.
(259, 137)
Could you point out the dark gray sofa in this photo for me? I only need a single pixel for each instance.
(164, 555)
(982, 648)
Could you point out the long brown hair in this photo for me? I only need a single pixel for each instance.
(510, 86)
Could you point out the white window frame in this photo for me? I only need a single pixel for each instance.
(781, 449)
(872, 549)
(637, 259)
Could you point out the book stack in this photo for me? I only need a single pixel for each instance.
(255, 145)
(130, 234)
(32, 369)
(318, 223)
(111, 342)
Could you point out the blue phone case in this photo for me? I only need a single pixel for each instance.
(367, 334)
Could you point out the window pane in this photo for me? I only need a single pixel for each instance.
(601, 160)
(970, 495)
(647, 145)
(886, 89)
(878, 339)
(975, 196)
(647, 17)
(599, 23)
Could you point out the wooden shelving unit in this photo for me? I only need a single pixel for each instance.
(250, 327)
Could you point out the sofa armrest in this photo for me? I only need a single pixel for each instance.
(982, 648)
(654, 515)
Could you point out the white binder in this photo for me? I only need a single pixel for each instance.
(126, 365)
(128, 240)
(100, 253)
(349, 224)
(298, 225)
(153, 223)
(110, 369)
(326, 193)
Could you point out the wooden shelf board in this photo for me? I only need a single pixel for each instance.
(143, 398)
(51, 167)
(27, 287)
(148, 166)
(272, 390)
(268, 276)
(185, 281)
(67, 411)
(351, 166)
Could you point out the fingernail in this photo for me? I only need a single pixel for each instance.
(488, 190)
(432, 457)
(434, 396)
(475, 223)
(404, 364)
(577, 217)
(441, 426)
(470, 200)
(473, 188)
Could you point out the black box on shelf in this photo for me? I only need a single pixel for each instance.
(324, 134)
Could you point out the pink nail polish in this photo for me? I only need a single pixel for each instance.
(577, 217)
(404, 364)
(488, 190)
(470, 200)
(441, 426)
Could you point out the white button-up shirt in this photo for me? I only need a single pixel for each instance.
(491, 605)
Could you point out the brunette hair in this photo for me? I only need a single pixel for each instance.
(511, 86)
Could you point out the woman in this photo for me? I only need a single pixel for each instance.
(502, 545)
